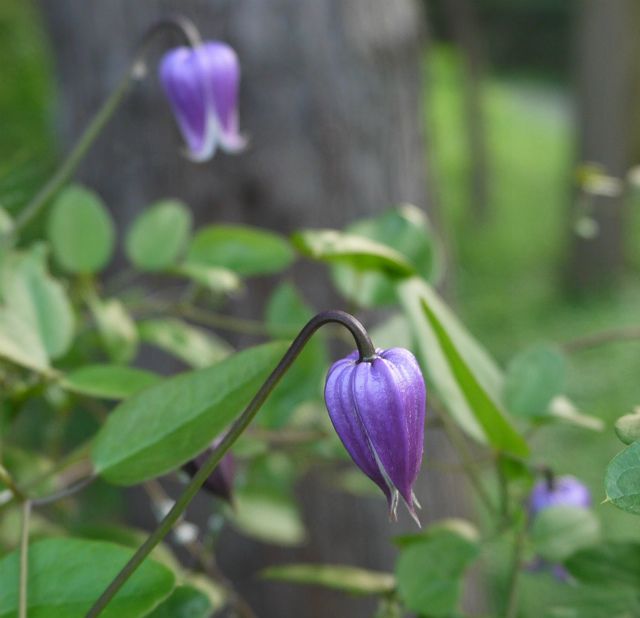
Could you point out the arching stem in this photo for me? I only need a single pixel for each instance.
(134, 72)
(367, 354)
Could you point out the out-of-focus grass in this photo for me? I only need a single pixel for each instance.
(508, 272)
(26, 144)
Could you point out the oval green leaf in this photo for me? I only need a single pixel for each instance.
(559, 531)
(40, 302)
(158, 235)
(534, 377)
(245, 250)
(430, 572)
(165, 425)
(66, 576)
(358, 252)
(405, 229)
(116, 327)
(108, 381)
(213, 278)
(194, 346)
(81, 231)
(622, 479)
(612, 564)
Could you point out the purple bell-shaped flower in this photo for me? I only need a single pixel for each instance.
(559, 491)
(377, 407)
(556, 491)
(202, 84)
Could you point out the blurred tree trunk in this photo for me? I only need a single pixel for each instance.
(331, 100)
(466, 31)
(605, 63)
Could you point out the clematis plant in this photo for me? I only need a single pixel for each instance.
(202, 84)
(63, 351)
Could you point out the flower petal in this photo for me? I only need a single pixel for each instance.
(221, 75)
(181, 78)
(339, 397)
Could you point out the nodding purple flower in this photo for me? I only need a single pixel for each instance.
(550, 492)
(559, 491)
(377, 408)
(202, 84)
(220, 481)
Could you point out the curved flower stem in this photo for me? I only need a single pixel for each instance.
(24, 559)
(135, 71)
(367, 353)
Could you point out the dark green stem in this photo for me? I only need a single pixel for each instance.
(367, 353)
(100, 120)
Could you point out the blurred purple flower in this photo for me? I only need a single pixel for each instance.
(559, 491)
(220, 481)
(550, 492)
(377, 409)
(202, 84)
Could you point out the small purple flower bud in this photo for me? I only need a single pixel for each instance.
(377, 409)
(556, 491)
(220, 481)
(202, 84)
(560, 491)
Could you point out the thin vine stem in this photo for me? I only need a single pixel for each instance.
(135, 71)
(516, 570)
(367, 353)
(24, 559)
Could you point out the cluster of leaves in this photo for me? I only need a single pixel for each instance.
(70, 341)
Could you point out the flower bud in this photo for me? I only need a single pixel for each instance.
(556, 491)
(202, 84)
(560, 491)
(220, 481)
(377, 408)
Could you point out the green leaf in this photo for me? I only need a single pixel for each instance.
(430, 572)
(339, 577)
(612, 564)
(559, 531)
(185, 602)
(67, 575)
(194, 346)
(214, 278)
(40, 302)
(158, 235)
(108, 381)
(20, 344)
(268, 517)
(590, 602)
(81, 231)
(287, 312)
(459, 527)
(627, 428)
(358, 252)
(622, 479)
(116, 327)
(242, 249)
(465, 377)
(165, 425)
(533, 378)
(405, 229)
